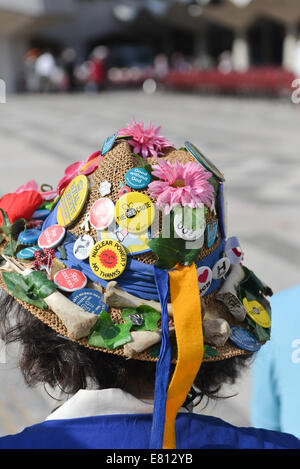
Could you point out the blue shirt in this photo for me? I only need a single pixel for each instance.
(132, 431)
(275, 402)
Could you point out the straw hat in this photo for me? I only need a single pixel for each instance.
(235, 311)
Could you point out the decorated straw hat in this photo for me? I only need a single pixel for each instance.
(131, 255)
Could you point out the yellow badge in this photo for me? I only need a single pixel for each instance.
(257, 312)
(108, 259)
(72, 201)
(134, 212)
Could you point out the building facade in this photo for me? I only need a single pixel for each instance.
(256, 32)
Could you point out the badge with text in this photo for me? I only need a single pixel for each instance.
(221, 268)
(244, 339)
(257, 312)
(51, 237)
(102, 213)
(108, 259)
(137, 178)
(83, 246)
(70, 280)
(72, 201)
(204, 279)
(211, 233)
(89, 300)
(204, 161)
(134, 212)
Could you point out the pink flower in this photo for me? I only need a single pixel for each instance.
(145, 142)
(81, 167)
(181, 184)
(33, 186)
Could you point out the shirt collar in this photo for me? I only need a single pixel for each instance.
(87, 403)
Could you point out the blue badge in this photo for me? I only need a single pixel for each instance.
(211, 233)
(29, 237)
(108, 144)
(204, 161)
(89, 300)
(137, 178)
(27, 253)
(40, 214)
(244, 339)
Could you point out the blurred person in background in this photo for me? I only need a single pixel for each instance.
(45, 68)
(97, 69)
(68, 63)
(31, 80)
(275, 371)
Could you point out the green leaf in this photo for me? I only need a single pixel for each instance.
(18, 226)
(62, 251)
(106, 334)
(167, 251)
(262, 334)
(149, 314)
(5, 227)
(19, 288)
(39, 284)
(210, 352)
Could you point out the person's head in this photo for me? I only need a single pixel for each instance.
(48, 358)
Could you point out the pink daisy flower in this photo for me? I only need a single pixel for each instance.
(146, 142)
(181, 184)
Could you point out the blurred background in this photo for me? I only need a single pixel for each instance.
(220, 74)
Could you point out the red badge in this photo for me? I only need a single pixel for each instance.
(70, 280)
(51, 237)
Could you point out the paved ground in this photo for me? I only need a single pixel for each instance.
(255, 142)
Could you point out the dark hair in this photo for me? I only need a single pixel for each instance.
(51, 359)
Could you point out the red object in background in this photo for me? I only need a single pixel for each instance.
(21, 205)
(261, 80)
(97, 71)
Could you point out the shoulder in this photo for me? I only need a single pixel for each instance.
(133, 432)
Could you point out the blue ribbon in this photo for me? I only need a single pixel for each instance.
(163, 363)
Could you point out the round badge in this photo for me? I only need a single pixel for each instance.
(134, 212)
(186, 232)
(244, 339)
(137, 178)
(102, 213)
(204, 279)
(70, 280)
(221, 268)
(51, 237)
(29, 237)
(72, 201)
(257, 312)
(204, 161)
(83, 246)
(108, 259)
(27, 253)
(89, 300)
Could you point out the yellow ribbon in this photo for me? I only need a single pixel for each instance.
(186, 307)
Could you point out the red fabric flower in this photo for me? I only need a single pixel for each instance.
(21, 205)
